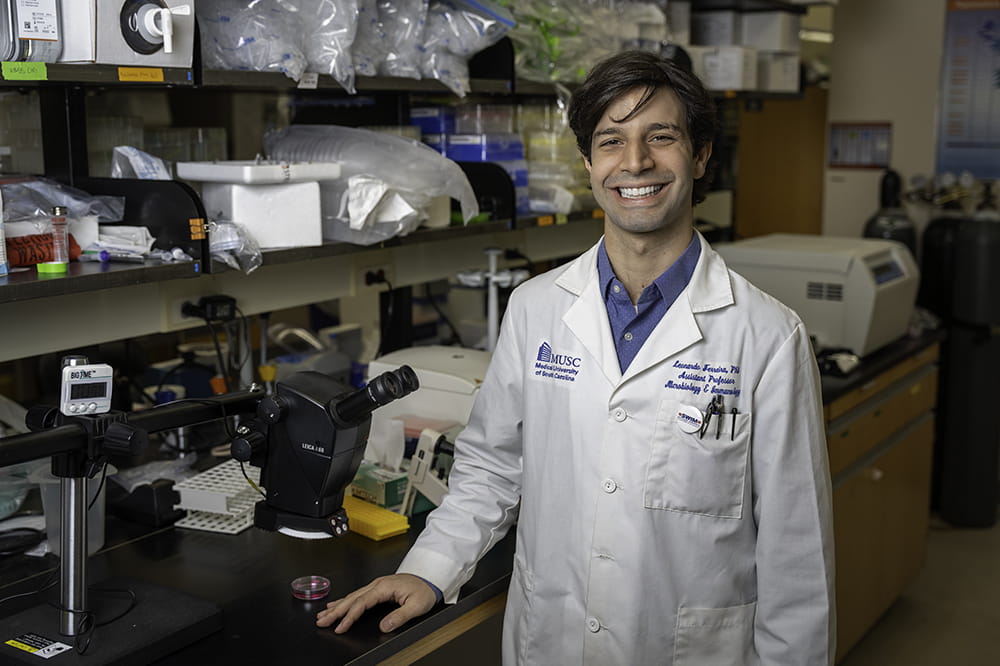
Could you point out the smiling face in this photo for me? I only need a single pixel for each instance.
(642, 166)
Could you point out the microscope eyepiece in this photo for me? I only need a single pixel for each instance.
(381, 390)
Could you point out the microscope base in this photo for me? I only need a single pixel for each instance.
(162, 621)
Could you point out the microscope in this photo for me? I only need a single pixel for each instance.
(308, 437)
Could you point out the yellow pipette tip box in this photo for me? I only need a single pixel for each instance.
(373, 521)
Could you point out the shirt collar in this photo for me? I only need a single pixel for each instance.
(670, 283)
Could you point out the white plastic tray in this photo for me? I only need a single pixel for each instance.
(257, 173)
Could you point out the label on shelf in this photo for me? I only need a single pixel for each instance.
(141, 74)
(24, 71)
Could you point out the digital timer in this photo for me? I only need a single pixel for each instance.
(86, 388)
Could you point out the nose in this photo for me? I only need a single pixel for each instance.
(637, 158)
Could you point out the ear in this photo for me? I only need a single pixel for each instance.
(587, 164)
(701, 160)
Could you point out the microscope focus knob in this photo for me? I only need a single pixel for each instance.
(41, 417)
(124, 438)
(246, 445)
(272, 409)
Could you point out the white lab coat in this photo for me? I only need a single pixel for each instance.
(639, 543)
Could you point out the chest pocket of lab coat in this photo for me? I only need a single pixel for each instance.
(693, 474)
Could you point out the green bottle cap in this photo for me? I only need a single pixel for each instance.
(52, 267)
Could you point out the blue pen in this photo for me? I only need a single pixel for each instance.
(104, 256)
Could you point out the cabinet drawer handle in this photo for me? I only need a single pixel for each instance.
(875, 474)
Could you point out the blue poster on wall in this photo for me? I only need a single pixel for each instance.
(969, 119)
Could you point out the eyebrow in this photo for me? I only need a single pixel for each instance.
(615, 130)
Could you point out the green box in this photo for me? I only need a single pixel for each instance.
(380, 486)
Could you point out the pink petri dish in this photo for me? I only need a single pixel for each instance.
(310, 587)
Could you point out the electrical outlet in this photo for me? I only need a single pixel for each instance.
(176, 317)
(373, 276)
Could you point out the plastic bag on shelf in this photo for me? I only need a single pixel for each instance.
(387, 182)
(457, 29)
(369, 48)
(232, 245)
(465, 27)
(560, 40)
(27, 198)
(124, 238)
(252, 35)
(328, 28)
(129, 162)
(403, 23)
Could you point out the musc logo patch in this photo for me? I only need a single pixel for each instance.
(556, 366)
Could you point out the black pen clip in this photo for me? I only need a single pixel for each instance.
(708, 417)
(720, 410)
(714, 407)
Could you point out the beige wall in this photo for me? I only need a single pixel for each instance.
(886, 66)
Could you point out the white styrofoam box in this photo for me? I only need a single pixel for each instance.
(771, 31)
(95, 35)
(679, 21)
(777, 72)
(715, 28)
(730, 68)
(286, 215)
(252, 172)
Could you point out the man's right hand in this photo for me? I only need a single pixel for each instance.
(414, 596)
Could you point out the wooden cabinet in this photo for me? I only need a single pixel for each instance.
(880, 444)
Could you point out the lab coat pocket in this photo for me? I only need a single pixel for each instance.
(698, 474)
(715, 636)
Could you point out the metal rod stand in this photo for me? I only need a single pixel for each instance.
(73, 554)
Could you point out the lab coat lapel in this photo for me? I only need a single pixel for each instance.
(675, 332)
(587, 317)
(708, 289)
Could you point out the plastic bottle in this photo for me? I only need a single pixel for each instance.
(60, 243)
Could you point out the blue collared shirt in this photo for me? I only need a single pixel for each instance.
(632, 324)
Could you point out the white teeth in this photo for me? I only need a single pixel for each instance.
(639, 192)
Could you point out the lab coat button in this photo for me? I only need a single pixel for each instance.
(593, 625)
(620, 414)
(610, 486)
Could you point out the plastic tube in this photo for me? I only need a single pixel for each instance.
(60, 243)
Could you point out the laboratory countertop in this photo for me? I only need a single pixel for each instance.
(876, 363)
(248, 574)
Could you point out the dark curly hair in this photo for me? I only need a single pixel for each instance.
(620, 73)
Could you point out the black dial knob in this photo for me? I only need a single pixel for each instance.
(41, 417)
(272, 409)
(124, 438)
(246, 445)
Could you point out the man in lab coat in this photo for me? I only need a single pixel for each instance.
(652, 422)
